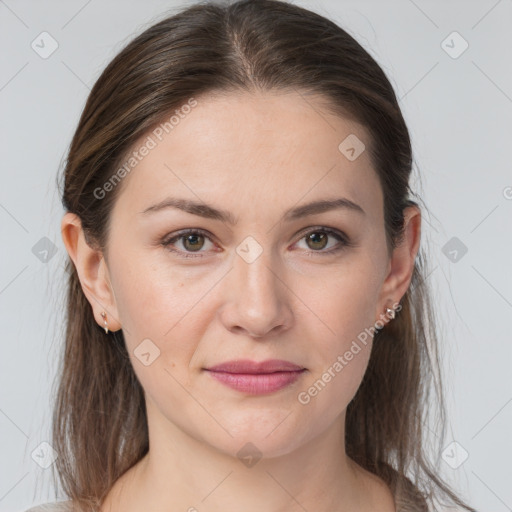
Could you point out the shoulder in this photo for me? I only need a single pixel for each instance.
(57, 506)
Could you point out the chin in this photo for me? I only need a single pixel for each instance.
(261, 436)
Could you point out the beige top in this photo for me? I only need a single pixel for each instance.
(57, 506)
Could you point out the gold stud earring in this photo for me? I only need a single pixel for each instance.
(104, 316)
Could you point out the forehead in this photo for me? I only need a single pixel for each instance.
(267, 148)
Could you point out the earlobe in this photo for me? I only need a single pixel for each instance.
(92, 271)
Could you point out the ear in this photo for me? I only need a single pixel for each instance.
(92, 271)
(401, 265)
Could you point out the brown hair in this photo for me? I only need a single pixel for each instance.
(99, 420)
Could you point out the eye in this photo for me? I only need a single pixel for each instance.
(318, 239)
(192, 240)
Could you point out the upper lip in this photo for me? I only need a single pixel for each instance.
(248, 366)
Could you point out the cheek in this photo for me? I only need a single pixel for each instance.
(335, 380)
(344, 308)
(167, 306)
(153, 298)
(344, 302)
(327, 392)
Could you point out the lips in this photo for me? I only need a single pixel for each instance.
(256, 378)
(246, 366)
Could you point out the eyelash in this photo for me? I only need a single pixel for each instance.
(341, 237)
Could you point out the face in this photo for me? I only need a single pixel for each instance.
(270, 280)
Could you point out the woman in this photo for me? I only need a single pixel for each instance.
(248, 322)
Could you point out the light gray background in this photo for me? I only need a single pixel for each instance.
(459, 111)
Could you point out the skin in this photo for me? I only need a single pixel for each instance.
(255, 155)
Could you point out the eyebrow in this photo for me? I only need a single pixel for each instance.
(209, 212)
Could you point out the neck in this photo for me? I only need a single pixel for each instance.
(181, 472)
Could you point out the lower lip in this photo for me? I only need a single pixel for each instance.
(259, 383)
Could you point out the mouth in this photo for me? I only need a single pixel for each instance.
(256, 377)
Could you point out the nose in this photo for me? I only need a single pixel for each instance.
(257, 298)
